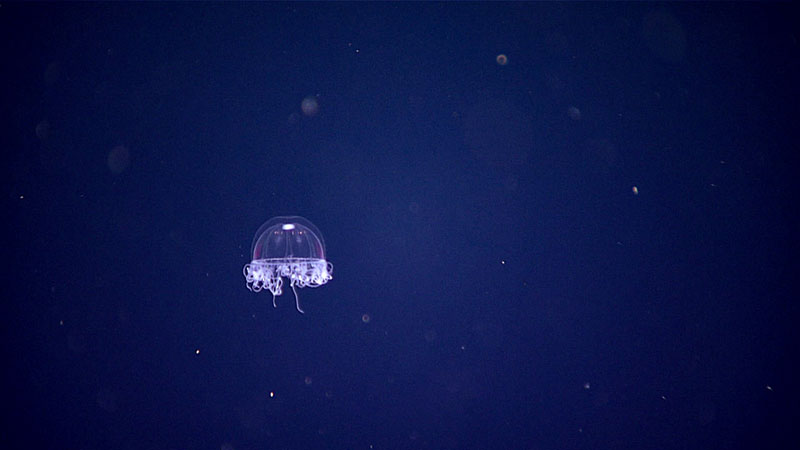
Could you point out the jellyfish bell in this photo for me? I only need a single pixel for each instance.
(289, 247)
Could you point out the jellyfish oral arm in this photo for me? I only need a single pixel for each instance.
(296, 300)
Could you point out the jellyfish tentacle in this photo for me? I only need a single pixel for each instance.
(297, 300)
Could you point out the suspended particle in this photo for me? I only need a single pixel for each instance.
(310, 106)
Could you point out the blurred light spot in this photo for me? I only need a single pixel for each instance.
(502, 59)
(635, 190)
(307, 381)
(555, 82)
(271, 394)
(106, 400)
(197, 352)
(602, 154)
(118, 159)
(365, 318)
(557, 43)
(43, 130)
(52, 73)
(310, 106)
(75, 342)
(664, 35)
(511, 182)
(587, 385)
(498, 133)
(704, 411)
(430, 335)
(574, 113)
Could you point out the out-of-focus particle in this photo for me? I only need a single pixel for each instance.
(118, 159)
(310, 106)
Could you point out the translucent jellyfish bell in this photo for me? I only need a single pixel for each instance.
(288, 247)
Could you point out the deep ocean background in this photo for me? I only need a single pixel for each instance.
(589, 242)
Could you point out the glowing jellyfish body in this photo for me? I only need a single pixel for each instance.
(288, 247)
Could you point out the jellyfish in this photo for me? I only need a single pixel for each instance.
(289, 247)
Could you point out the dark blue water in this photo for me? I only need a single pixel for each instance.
(552, 225)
